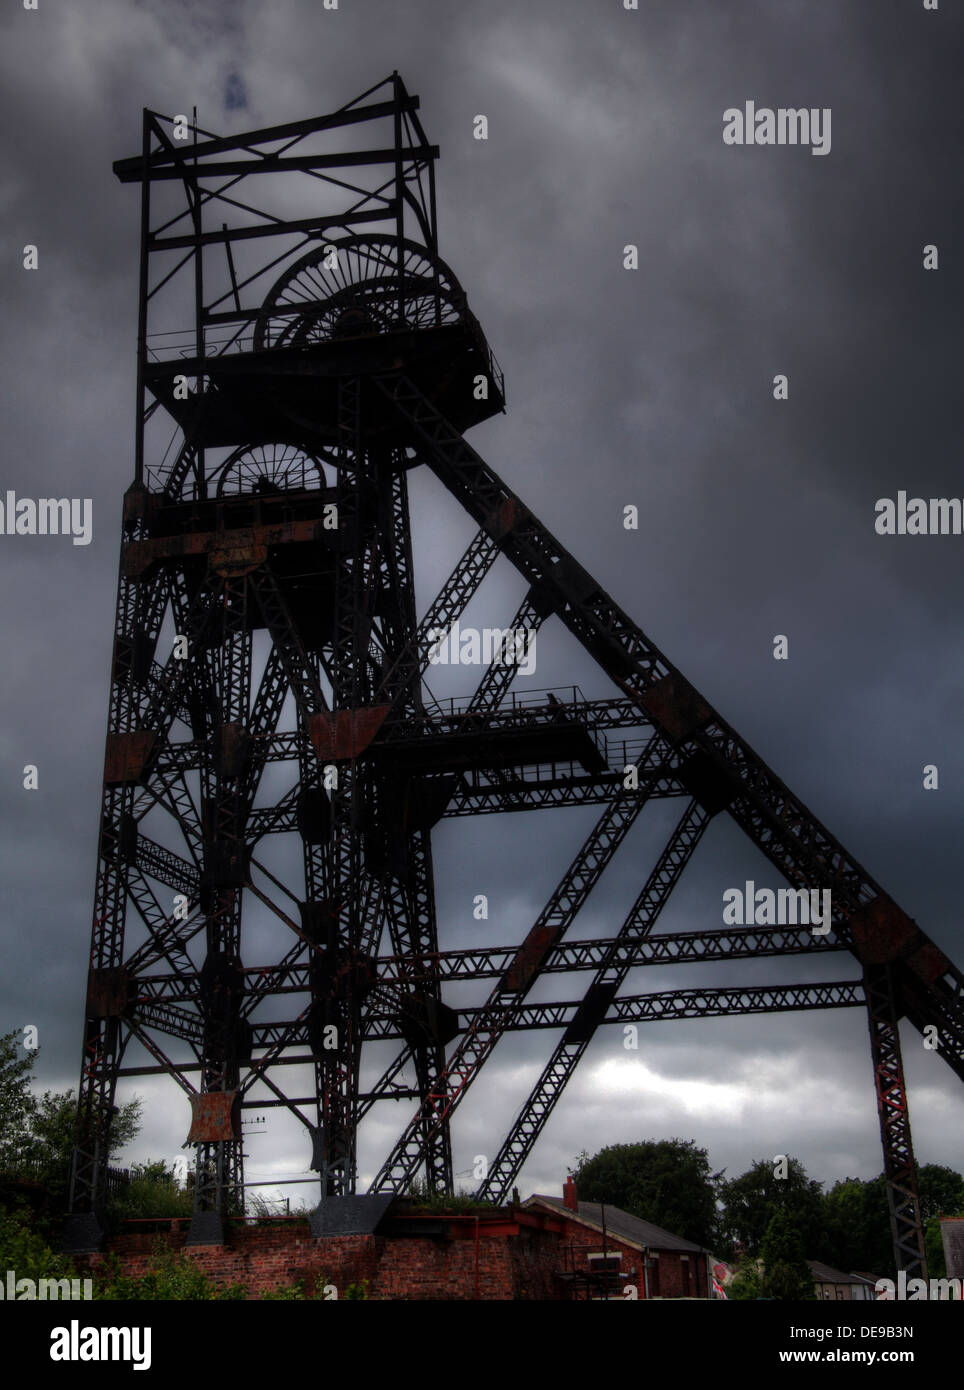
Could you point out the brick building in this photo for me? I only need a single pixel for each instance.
(603, 1246)
(504, 1253)
(542, 1250)
(952, 1236)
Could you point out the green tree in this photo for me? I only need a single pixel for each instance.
(53, 1127)
(665, 1181)
(786, 1274)
(858, 1227)
(747, 1281)
(38, 1132)
(752, 1200)
(16, 1101)
(858, 1220)
(26, 1251)
(940, 1191)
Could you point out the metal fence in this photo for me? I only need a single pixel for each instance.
(45, 1173)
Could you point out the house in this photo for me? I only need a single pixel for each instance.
(833, 1283)
(606, 1252)
(952, 1237)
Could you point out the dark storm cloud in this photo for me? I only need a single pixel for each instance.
(235, 97)
(650, 387)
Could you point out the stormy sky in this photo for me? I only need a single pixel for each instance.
(652, 387)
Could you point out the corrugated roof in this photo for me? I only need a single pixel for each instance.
(620, 1224)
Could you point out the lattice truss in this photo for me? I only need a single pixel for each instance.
(276, 763)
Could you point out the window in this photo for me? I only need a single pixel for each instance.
(604, 1272)
(610, 1261)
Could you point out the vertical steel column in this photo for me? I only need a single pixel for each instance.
(900, 1169)
(416, 927)
(219, 1178)
(336, 1072)
(137, 621)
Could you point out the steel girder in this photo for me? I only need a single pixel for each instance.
(491, 962)
(727, 771)
(657, 1007)
(607, 979)
(488, 1025)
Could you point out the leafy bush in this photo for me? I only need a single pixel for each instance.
(153, 1191)
(424, 1200)
(171, 1278)
(747, 1281)
(297, 1292)
(290, 1293)
(26, 1251)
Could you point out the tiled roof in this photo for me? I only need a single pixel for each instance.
(619, 1224)
(823, 1274)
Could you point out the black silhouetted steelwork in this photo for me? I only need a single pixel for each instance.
(266, 617)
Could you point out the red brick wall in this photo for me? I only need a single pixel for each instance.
(502, 1267)
(262, 1257)
(668, 1284)
(671, 1281)
(405, 1268)
(576, 1243)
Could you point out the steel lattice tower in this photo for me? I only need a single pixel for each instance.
(266, 615)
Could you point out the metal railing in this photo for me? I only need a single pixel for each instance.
(46, 1172)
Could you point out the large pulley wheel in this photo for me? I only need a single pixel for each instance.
(355, 288)
(269, 469)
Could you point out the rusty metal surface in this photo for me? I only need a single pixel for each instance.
(505, 518)
(231, 749)
(230, 562)
(676, 707)
(929, 963)
(345, 733)
(224, 547)
(527, 961)
(126, 755)
(215, 1116)
(108, 992)
(882, 932)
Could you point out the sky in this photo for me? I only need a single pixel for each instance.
(652, 387)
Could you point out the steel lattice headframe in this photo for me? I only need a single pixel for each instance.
(266, 615)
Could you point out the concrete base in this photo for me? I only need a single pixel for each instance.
(349, 1216)
(207, 1228)
(82, 1233)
